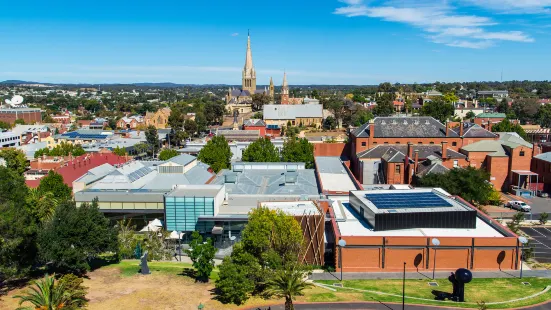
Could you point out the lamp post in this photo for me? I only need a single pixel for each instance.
(404, 288)
(342, 244)
(522, 241)
(436, 243)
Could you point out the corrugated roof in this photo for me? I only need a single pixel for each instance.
(492, 146)
(291, 112)
(544, 156)
(513, 140)
(491, 115)
(182, 159)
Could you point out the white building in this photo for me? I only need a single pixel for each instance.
(9, 139)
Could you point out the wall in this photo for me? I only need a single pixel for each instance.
(499, 171)
(261, 129)
(543, 168)
(28, 117)
(331, 149)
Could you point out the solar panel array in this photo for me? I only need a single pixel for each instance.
(407, 200)
(139, 174)
(74, 134)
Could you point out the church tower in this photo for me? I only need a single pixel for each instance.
(249, 74)
(272, 89)
(285, 90)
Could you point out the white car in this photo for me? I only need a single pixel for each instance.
(519, 205)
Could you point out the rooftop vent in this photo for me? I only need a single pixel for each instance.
(291, 178)
(383, 122)
(427, 122)
(230, 178)
(394, 122)
(416, 122)
(405, 122)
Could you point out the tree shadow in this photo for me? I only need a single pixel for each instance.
(417, 261)
(441, 295)
(192, 273)
(382, 303)
(500, 259)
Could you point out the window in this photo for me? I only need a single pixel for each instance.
(374, 143)
(431, 142)
(386, 142)
(397, 169)
(454, 143)
(364, 144)
(419, 142)
(397, 142)
(455, 163)
(521, 153)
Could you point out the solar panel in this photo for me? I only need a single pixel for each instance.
(407, 200)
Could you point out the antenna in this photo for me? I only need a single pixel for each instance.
(501, 75)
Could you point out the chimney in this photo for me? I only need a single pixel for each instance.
(410, 150)
(444, 150)
(372, 131)
(461, 129)
(416, 163)
(489, 128)
(447, 129)
(535, 149)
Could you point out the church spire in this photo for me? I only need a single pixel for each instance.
(249, 74)
(285, 79)
(284, 90)
(272, 88)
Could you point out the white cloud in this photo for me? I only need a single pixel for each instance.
(514, 6)
(438, 19)
(235, 34)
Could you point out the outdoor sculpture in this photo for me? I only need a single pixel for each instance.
(144, 269)
(458, 280)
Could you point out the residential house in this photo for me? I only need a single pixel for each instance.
(158, 119)
(130, 122)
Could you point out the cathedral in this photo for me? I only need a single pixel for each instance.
(241, 98)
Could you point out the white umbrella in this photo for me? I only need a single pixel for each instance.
(174, 235)
(156, 222)
(150, 227)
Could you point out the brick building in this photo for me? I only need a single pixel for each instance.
(541, 164)
(29, 115)
(500, 158)
(385, 150)
(487, 120)
(385, 228)
(265, 130)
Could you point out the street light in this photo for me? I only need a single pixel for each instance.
(522, 241)
(404, 288)
(436, 243)
(342, 244)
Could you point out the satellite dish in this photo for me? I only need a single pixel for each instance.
(522, 240)
(15, 100)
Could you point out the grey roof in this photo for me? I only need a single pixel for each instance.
(513, 140)
(182, 159)
(404, 127)
(394, 156)
(120, 196)
(544, 156)
(428, 167)
(492, 146)
(239, 134)
(424, 151)
(240, 93)
(329, 164)
(270, 182)
(254, 122)
(472, 130)
(195, 191)
(291, 112)
(96, 173)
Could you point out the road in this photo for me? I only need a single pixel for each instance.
(541, 240)
(539, 205)
(376, 306)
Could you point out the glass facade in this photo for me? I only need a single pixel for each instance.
(181, 213)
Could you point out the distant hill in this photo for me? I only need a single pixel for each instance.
(16, 82)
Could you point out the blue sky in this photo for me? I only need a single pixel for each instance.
(316, 42)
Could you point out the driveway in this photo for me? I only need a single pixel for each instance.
(541, 240)
(375, 306)
(539, 205)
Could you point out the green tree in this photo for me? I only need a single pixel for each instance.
(202, 255)
(330, 123)
(298, 150)
(127, 238)
(236, 277)
(469, 183)
(360, 117)
(258, 115)
(74, 286)
(288, 283)
(450, 98)
(4, 126)
(48, 294)
(216, 153)
(76, 236)
(336, 106)
(514, 224)
(44, 204)
(15, 160)
(544, 116)
(259, 100)
(176, 123)
(62, 149)
(543, 218)
(214, 113)
(438, 109)
(261, 150)
(18, 227)
(190, 126)
(507, 126)
(19, 121)
(470, 115)
(385, 105)
(201, 121)
(152, 138)
(54, 184)
(167, 154)
(120, 151)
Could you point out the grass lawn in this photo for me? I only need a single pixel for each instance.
(487, 290)
(131, 267)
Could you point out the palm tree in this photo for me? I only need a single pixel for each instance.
(46, 294)
(44, 203)
(288, 283)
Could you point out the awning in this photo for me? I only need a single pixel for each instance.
(217, 230)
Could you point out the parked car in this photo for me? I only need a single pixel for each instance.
(543, 194)
(518, 205)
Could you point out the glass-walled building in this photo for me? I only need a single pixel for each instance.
(185, 204)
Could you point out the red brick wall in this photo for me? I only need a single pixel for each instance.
(499, 171)
(28, 117)
(262, 129)
(543, 169)
(330, 149)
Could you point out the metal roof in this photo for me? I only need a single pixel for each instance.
(291, 112)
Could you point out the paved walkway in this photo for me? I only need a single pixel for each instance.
(377, 306)
(427, 274)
